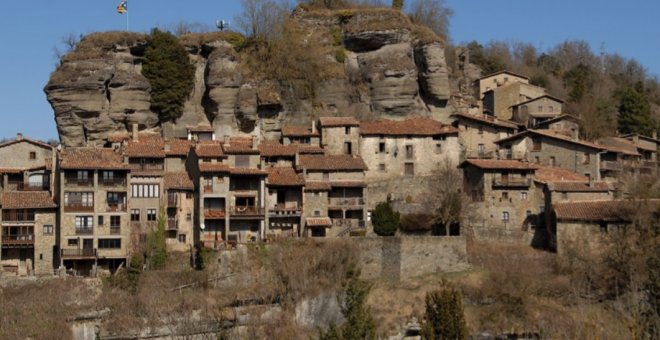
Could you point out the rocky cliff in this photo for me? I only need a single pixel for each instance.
(365, 63)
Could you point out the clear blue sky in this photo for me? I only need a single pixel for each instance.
(30, 29)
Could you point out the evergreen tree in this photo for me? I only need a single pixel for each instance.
(397, 4)
(385, 220)
(157, 246)
(444, 318)
(170, 74)
(634, 113)
(579, 79)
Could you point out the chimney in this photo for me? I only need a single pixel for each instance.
(297, 161)
(636, 139)
(575, 134)
(655, 134)
(305, 172)
(135, 132)
(227, 141)
(167, 146)
(19, 136)
(591, 181)
(313, 126)
(255, 142)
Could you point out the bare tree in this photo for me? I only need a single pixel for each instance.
(431, 13)
(184, 27)
(263, 19)
(449, 197)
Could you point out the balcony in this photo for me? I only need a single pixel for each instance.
(78, 207)
(17, 239)
(345, 201)
(172, 225)
(610, 166)
(648, 164)
(512, 182)
(17, 216)
(115, 207)
(113, 182)
(147, 167)
(85, 231)
(215, 213)
(172, 200)
(79, 182)
(27, 186)
(246, 211)
(66, 253)
(115, 230)
(282, 210)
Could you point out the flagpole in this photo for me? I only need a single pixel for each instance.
(127, 12)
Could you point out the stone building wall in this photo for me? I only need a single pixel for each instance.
(493, 82)
(17, 155)
(470, 136)
(333, 139)
(44, 243)
(506, 96)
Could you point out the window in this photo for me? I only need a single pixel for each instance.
(348, 148)
(481, 130)
(145, 190)
(241, 184)
(528, 213)
(588, 175)
(72, 242)
(506, 79)
(381, 167)
(564, 195)
(551, 108)
(326, 176)
(317, 213)
(537, 145)
(33, 155)
(219, 179)
(438, 148)
(553, 161)
(540, 108)
(537, 160)
(135, 215)
(182, 238)
(109, 243)
(115, 221)
(523, 195)
(409, 151)
(481, 149)
(81, 199)
(189, 195)
(603, 227)
(495, 80)
(505, 195)
(381, 147)
(586, 158)
(48, 230)
(188, 217)
(84, 222)
(100, 220)
(347, 130)
(409, 169)
(505, 216)
(151, 214)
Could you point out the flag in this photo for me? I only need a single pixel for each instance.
(123, 7)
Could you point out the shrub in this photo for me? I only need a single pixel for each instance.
(203, 257)
(444, 317)
(416, 222)
(170, 74)
(345, 16)
(337, 37)
(340, 55)
(385, 219)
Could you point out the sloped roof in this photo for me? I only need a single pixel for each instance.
(178, 147)
(348, 184)
(605, 211)
(27, 140)
(332, 163)
(147, 145)
(273, 148)
(579, 186)
(318, 222)
(284, 176)
(499, 164)
(247, 172)
(210, 148)
(213, 167)
(27, 200)
(178, 180)
(317, 186)
(501, 72)
(546, 174)
(631, 135)
(537, 98)
(489, 120)
(413, 126)
(560, 117)
(240, 145)
(299, 131)
(562, 137)
(91, 158)
(338, 121)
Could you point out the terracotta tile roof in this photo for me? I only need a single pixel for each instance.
(210, 149)
(507, 72)
(332, 163)
(118, 137)
(594, 211)
(299, 131)
(285, 176)
(414, 126)
(16, 171)
(178, 147)
(318, 222)
(338, 121)
(201, 128)
(11, 171)
(275, 148)
(579, 186)
(348, 184)
(628, 142)
(247, 172)
(240, 145)
(553, 174)
(213, 167)
(497, 164)
(28, 140)
(150, 146)
(537, 98)
(560, 117)
(317, 186)
(27, 200)
(178, 180)
(489, 120)
(91, 158)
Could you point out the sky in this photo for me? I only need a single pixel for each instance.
(31, 28)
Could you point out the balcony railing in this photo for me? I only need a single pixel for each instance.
(27, 186)
(79, 182)
(245, 211)
(18, 239)
(347, 222)
(281, 209)
(85, 231)
(115, 230)
(215, 213)
(115, 207)
(480, 154)
(77, 207)
(345, 201)
(147, 167)
(17, 216)
(78, 253)
(172, 224)
(648, 164)
(512, 182)
(611, 166)
(113, 182)
(172, 200)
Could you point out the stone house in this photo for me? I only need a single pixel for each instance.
(506, 199)
(413, 147)
(585, 227)
(477, 134)
(95, 224)
(27, 165)
(624, 158)
(646, 147)
(284, 201)
(499, 101)
(340, 135)
(335, 195)
(495, 80)
(29, 224)
(537, 110)
(565, 124)
(180, 209)
(277, 154)
(301, 135)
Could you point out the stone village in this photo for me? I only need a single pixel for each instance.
(531, 181)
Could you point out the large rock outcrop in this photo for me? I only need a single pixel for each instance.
(386, 71)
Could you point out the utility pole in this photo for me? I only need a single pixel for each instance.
(602, 58)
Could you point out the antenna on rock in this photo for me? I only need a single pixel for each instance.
(222, 25)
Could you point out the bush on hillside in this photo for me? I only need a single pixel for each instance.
(385, 220)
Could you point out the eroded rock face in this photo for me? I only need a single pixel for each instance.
(385, 74)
